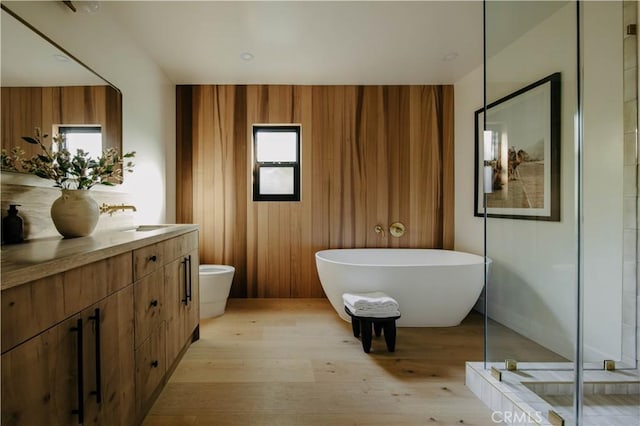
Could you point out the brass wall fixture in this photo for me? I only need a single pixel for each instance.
(110, 208)
(379, 229)
(511, 364)
(397, 229)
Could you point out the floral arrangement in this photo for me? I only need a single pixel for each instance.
(66, 170)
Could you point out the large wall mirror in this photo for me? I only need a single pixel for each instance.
(44, 86)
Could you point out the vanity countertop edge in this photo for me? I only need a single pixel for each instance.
(39, 258)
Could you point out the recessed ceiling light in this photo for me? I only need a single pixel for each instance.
(246, 56)
(60, 57)
(450, 56)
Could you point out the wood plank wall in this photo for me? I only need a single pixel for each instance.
(370, 155)
(24, 108)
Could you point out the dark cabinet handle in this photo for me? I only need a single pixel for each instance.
(154, 364)
(153, 303)
(184, 282)
(96, 321)
(189, 269)
(80, 410)
(153, 258)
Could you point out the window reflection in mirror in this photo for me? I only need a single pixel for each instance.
(86, 138)
(44, 86)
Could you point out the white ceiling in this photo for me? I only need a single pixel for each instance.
(294, 42)
(307, 42)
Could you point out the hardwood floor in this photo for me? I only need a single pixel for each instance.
(295, 362)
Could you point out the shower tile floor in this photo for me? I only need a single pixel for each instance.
(610, 397)
(600, 409)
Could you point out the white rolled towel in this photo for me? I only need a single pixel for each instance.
(375, 300)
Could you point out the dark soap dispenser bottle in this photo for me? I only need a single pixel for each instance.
(12, 226)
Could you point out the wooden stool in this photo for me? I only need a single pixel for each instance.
(363, 325)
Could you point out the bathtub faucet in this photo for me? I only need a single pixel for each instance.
(397, 229)
(379, 229)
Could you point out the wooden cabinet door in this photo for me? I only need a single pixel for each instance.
(109, 360)
(192, 309)
(175, 302)
(182, 301)
(40, 378)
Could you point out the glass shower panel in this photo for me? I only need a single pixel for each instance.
(630, 255)
(557, 185)
(608, 179)
(529, 172)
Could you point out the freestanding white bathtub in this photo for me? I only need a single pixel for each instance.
(434, 288)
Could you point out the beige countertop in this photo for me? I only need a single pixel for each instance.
(38, 258)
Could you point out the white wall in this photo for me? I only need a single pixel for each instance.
(469, 235)
(532, 287)
(148, 97)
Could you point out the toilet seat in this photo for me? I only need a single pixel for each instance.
(215, 269)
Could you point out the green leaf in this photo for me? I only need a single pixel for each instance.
(30, 140)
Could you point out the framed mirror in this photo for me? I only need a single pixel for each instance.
(42, 85)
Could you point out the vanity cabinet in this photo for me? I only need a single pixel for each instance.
(94, 343)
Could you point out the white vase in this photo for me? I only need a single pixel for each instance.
(75, 213)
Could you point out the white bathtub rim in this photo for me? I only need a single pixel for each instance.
(481, 259)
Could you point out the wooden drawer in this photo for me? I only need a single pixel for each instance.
(147, 260)
(33, 307)
(148, 302)
(150, 367)
(180, 246)
(88, 284)
(23, 315)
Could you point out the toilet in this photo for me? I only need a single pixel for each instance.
(215, 284)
